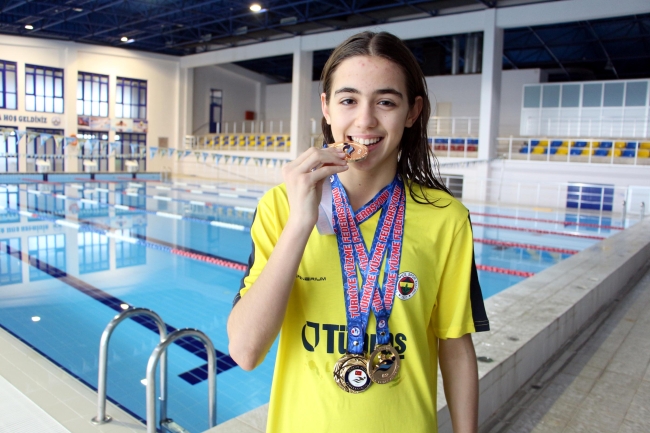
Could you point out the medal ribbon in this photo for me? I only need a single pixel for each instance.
(352, 250)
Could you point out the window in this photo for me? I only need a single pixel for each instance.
(92, 94)
(132, 148)
(592, 95)
(8, 150)
(94, 146)
(8, 99)
(93, 252)
(131, 99)
(43, 89)
(47, 203)
(128, 253)
(570, 95)
(47, 256)
(10, 262)
(636, 93)
(551, 96)
(532, 96)
(45, 149)
(613, 94)
(9, 204)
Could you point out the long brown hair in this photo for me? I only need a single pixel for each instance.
(416, 162)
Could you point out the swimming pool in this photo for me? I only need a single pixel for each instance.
(73, 255)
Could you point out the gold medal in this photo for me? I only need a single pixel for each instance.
(354, 152)
(350, 373)
(386, 367)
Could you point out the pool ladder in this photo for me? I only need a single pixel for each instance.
(158, 354)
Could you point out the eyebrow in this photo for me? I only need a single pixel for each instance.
(388, 90)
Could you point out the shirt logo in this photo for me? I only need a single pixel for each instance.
(407, 285)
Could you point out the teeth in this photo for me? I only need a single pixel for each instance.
(365, 141)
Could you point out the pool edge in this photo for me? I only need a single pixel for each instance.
(58, 393)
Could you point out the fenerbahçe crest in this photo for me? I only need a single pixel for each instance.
(407, 285)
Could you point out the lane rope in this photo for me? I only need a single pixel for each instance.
(506, 271)
(538, 231)
(564, 223)
(525, 246)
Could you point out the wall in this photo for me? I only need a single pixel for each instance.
(462, 91)
(160, 71)
(509, 182)
(240, 94)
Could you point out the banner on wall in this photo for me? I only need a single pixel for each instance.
(94, 123)
(122, 125)
(140, 126)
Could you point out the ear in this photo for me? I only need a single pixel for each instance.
(414, 112)
(325, 108)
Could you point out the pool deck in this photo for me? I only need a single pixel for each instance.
(600, 383)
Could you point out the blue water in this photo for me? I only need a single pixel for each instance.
(183, 291)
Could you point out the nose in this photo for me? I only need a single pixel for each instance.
(366, 116)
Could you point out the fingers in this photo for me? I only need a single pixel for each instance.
(312, 160)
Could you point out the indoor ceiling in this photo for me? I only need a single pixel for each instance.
(599, 49)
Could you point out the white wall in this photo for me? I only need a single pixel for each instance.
(240, 94)
(160, 71)
(462, 91)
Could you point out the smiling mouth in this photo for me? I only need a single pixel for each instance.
(368, 142)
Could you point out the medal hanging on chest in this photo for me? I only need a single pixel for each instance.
(355, 372)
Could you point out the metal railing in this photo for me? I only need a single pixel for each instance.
(102, 417)
(158, 352)
(454, 126)
(607, 127)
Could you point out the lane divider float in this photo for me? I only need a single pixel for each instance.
(564, 223)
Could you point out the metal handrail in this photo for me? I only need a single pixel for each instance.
(159, 351)
(101, 417)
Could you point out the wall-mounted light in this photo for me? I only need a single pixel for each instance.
(124, 39)
(255, 7)
(29, 27)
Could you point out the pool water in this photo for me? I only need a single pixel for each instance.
(72, 255)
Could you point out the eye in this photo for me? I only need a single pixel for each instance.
(347, 101)
(387, 103)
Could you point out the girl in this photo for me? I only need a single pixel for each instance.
(366, 312)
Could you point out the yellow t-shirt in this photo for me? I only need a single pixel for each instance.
(438, 296)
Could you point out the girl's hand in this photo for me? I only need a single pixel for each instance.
(304, 179)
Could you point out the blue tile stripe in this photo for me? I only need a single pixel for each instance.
(190, 344)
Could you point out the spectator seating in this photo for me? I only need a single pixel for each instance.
(616, 149)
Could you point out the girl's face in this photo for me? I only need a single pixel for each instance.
(369, 104)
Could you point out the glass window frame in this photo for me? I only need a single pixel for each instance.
(92, 92)
(124, 93)
(38, 89)
(6, 69)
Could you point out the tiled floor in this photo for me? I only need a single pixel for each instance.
(61, 396)
(600, 384)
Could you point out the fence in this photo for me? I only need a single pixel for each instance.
(607, 127)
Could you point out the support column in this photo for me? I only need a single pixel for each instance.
(300, 99)
(70, 73)
(112, 92)
(490, 86)
(186, 114)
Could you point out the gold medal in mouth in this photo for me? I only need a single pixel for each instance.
(354, 152)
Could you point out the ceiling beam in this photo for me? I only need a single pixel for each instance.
(548, 50)
(442, 25)
(488, 3)
(602, 47)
